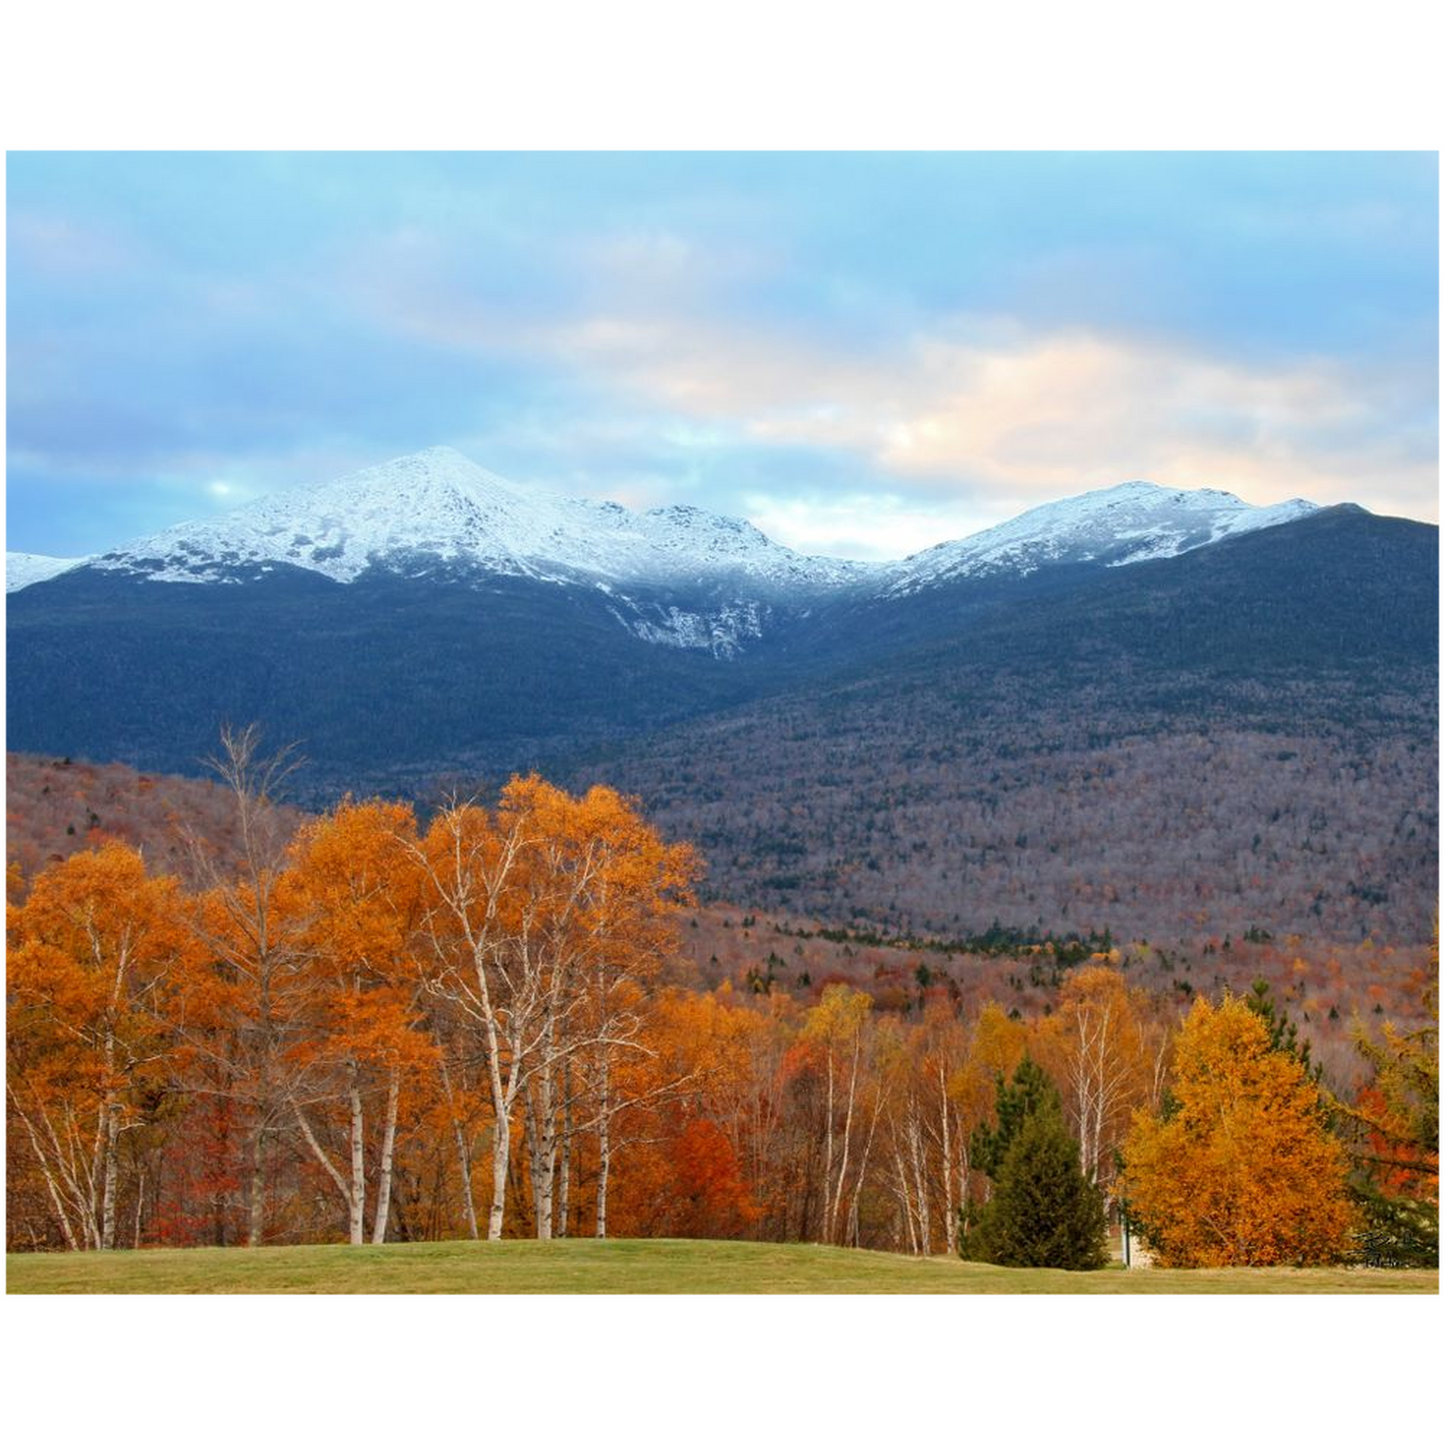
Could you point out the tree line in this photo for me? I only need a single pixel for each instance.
(378, 1030)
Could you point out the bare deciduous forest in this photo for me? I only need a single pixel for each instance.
(926, 811)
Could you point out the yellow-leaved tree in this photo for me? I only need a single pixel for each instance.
(1239, 1169)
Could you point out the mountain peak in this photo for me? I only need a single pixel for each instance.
(437, 506)
(1133, 521)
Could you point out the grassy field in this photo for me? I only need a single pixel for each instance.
(634, 1266)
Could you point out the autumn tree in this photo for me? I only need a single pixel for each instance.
(359, 888)
(736, 1054)
(627, 886)
(926, 1128)
(243, 1008)
(686, 1116)
(89, 952)
(1107, 1055)
(536, 918)
(1243, 1171)
(835, 1035)
(1394, 1123)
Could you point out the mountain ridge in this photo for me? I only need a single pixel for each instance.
(24, 569)
(438, 507)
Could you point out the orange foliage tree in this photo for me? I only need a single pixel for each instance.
(540, 920)
(87, 1055)
(359, 890)
(328, 1031)
(1240, 1169)
(1106, 1053)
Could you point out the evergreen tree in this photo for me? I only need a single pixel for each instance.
(1044, 1214)
(1030, 1088)
(1399, 1232)
(1283, 1031)
(1042, 1211)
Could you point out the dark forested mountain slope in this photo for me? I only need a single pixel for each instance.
(386, 681)
(1241, 737)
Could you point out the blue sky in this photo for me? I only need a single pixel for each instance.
(864, 354)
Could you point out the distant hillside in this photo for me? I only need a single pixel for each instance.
(58, 806)
(1242, 737)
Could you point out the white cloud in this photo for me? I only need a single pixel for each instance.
(1041, 417)
(968, 406)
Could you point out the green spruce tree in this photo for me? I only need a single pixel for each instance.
(1014, 1101)
(1283, 1031)
(1042, 1212)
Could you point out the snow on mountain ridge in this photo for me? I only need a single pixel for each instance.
(1112, 526)
(24, 568)
(675, 574)
(438, 504)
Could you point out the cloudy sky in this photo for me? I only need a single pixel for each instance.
(863, 354)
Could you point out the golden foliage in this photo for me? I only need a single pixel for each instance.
(1241, 1170)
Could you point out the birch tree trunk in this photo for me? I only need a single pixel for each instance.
(112, 1134)
(847, 1135)
(905, 1199)
(464, 1154)
(97, 1175)
(920, 1179)
(501, 1148)
(950, 1214)
(388, 1147)
(501, 1159)
(824, 1220)
(542, 1147)
(564, 1187)
(604, 1146)
(464, 1159)
(356, 1194)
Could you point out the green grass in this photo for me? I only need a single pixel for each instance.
(634, 1266)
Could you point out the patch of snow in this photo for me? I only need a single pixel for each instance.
(721, 632)
(24, 569)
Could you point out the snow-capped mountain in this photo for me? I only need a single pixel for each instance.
(1133, 522)
(425, 621)
(24, 568)
(436, 506)
(676, 576)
